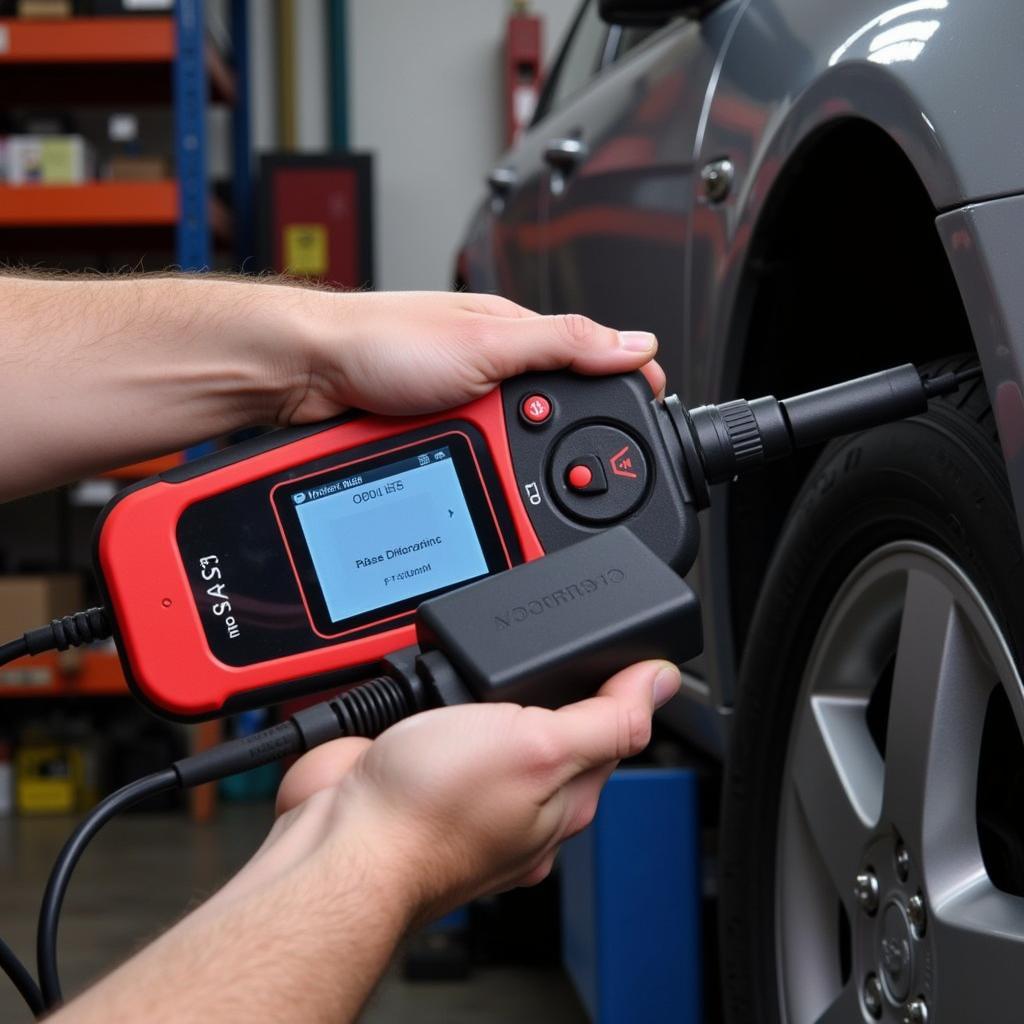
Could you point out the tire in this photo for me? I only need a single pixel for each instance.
(937, 480)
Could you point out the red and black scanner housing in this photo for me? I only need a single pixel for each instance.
(215, 600)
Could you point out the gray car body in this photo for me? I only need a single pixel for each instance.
(629, 237)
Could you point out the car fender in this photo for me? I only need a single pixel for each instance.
(943, 81)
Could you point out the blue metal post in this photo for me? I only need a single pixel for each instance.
(190, 92)
(631, 901)
(241, 158)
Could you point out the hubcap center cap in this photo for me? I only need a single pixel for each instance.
(895, 953)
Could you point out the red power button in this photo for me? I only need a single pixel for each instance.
(580, 477)
(535, 409)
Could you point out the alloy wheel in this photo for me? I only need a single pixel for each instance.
(885, 908)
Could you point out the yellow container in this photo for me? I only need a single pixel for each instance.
(48, 780)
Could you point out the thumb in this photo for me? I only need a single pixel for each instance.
(320, 769)
(516, 345)
(616, 723)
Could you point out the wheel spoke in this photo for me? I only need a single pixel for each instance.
(940, 686)
(838, 776)
(978, 935)
(844, 1009)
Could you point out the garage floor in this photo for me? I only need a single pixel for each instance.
(145, 869)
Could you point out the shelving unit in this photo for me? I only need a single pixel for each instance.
(82, 61)
(86, 62)
(86, 674)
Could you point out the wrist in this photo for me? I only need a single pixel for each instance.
(272, 334)
(330, 848)
(364, 840)
(246, 350)
(296, 335)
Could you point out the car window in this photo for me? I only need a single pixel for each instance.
(578, 62)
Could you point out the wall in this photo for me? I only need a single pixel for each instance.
(425, 96)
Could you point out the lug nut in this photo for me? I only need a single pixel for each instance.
(873, 996)
(916, 1012)
(865, 891)
(916, 913)
(717, 178)
(902, 862)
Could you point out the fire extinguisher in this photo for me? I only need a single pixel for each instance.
(522, 68)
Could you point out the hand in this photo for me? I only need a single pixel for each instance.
(468, 800)
(374, 838)
(401, 353)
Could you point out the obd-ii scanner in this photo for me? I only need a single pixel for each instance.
(522, 547)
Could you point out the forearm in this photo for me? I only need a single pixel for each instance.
(296, 937)
(100, 373)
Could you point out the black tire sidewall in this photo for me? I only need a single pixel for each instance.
(938, 479)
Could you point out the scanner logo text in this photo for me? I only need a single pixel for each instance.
(568, 594)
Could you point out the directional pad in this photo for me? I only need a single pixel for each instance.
(599, 474)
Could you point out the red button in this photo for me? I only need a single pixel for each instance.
(580, 477)
(535, 409)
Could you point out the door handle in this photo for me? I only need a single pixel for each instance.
(565, 154)
(501, 181)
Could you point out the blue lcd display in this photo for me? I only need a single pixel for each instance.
(389, 534)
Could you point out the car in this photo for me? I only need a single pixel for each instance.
(791, 193)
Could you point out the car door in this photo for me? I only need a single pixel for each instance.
(619, 184)
(519, 182)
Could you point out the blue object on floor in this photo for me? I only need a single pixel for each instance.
(452, 921)
(631, 901)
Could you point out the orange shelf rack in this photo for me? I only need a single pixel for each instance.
(103, 204)
(98, 203)
(90, 42)
(74, 674)
(86, 40)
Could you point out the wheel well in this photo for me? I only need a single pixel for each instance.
(846, 275)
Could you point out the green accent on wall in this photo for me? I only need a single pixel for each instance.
(338, 60)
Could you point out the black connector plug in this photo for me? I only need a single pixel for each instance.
(552, 631)
(546, 633)
(60, 634)
(364, 710)
(733, 437)
(70, 631)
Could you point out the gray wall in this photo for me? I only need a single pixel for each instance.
(426, 99)
(425, 96)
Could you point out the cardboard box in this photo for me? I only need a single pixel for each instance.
(30, 601)
(45, 8)
(47, 160)
(138, 168)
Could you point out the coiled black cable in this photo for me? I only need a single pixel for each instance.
(23, 981)
(947, 383)
(365, 710)
(60, 876)
(60, 634)
(12, 650)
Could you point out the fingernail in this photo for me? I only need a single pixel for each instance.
(666, 685)
(637, 341)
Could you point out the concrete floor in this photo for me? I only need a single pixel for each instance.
(144, 870)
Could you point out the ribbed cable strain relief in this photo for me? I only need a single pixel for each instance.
(370, 708)
(744, 433)
(70, 631)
